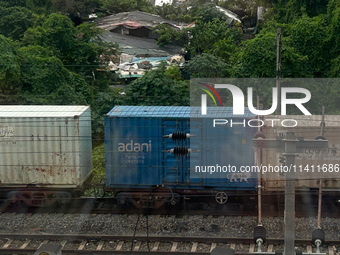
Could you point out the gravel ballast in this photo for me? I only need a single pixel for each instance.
(115, 224)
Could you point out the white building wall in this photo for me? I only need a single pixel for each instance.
(161, 2)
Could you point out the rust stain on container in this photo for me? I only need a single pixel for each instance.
(46, 154)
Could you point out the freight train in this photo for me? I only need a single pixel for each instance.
(154, 155)
(45, 152)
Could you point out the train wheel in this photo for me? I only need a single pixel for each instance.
(61, 199)
(175, 202)
(123, 200)
(221, 197)
(15, 202)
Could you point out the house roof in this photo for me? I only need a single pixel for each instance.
(132, 20)
(136, 45)
(228, 13)
(133, 45)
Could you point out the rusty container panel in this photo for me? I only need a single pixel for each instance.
(307, 127)
(46, 146)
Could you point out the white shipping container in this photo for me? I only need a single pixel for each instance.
(309, 163)
(45, 145)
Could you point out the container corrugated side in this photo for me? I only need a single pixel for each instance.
(138, 155)
(46, 151)
(132, 151)
(226, 148)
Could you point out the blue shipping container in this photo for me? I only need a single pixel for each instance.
(140, 154)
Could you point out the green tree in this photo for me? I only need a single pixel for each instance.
(77, 6)
(290, 10)
(117, 6)
(213, 37)
(182, 93)
(40, 6)
(174, 73)
(310, 38)
(12, 3)
(9, 71)
(157, 88)
(207, 66)
(257, 57)
(79, 48)
(39, 68)
(245, 7)
(208, 13)
(36, 6)
(173, 12)
(335, 68)
(334, 26)
(212, 34)
(14, 21)
(101, 104)
(224, 48)
(170, 35)
(56, 33)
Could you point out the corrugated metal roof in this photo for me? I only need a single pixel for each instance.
(175, 111)
(229, 13)
(142, 18)
(134, 45)
(22, 111)
(154, 60)
(308, 120)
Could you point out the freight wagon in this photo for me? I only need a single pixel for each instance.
(156, 154)
(45, 152)
(312, 165)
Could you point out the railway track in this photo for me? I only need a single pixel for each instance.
(175, 245)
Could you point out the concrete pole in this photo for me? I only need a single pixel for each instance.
(289, 215)
(278, 70)
(259, 175)
(322, 132)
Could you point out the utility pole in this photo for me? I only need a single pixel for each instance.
(278, 69)
(259, 181)
(289, 214)
(322, 132)
(289, 145)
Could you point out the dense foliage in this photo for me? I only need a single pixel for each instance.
(48, 60)
(159, 87)
(48, 57)
(116, 6)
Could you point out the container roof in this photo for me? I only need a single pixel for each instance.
(308, 120)
(176, 112)
(24, 111)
